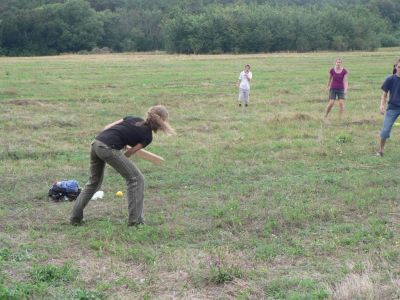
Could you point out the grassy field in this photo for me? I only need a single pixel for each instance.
(268, 202)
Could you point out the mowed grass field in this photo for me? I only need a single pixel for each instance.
(268, 202)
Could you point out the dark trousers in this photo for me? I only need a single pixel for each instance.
(100, 155)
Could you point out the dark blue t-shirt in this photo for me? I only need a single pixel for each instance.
(392, 85)
(130, 131)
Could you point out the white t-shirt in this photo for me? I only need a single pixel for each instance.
(244, 82)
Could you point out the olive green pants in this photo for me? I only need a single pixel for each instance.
(100, 155)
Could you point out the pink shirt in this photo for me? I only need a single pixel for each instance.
(337, 79)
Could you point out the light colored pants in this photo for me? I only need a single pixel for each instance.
(100, 155)
(390, 117)
(244, 95)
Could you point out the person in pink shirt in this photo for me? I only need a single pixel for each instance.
(337, 85)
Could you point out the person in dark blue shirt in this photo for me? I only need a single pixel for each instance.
(390, 86)
(113, 146)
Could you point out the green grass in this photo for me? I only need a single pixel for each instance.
(268, 202)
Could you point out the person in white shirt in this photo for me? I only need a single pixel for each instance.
(244, 85)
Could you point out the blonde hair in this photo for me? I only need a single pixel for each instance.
(157, 118)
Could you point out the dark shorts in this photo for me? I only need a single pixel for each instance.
(336, 94)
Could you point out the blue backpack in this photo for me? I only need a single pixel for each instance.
(67, 190)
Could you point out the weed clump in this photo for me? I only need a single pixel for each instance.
(343, 138)
(221, 275)
(52, 274)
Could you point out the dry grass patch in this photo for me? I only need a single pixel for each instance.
(275, 101)
(10, 92)
(105, 269)
(26, 102)
(356, 286)
(291, 117)
(371, 121)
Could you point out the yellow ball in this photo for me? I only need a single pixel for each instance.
(119, 194)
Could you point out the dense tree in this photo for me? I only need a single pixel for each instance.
(388, 9)
(82, 26)
(101, 5)
(36, 27)
(267, 28)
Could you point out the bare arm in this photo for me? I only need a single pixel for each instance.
(132, 150)
(383, 102)
(329, 81)
(239, 80)
(346, 83)
(112, 124)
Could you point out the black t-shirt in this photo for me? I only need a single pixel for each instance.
(128, 132)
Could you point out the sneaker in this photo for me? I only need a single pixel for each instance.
(136, 224)
(76, 222)
(379, 153)
(246, 105)
(240, 104)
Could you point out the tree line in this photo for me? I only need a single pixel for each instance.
(45, 27)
